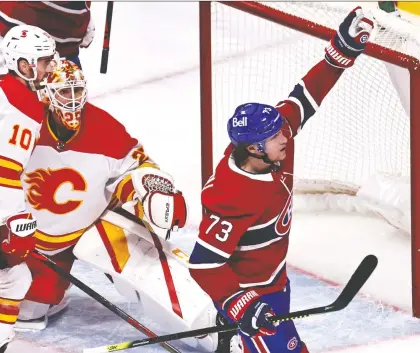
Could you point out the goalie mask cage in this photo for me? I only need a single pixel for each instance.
(257, 52)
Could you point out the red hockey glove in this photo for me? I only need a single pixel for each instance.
(350, 40)
(251, 314)
(20, 241)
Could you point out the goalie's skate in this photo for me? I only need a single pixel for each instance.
(39, 324)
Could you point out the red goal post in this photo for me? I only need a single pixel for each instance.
(244, 47)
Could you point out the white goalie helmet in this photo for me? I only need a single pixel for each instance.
(66, 92)
(29, 43)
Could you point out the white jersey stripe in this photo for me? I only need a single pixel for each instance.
(269, 281)
(213, 248)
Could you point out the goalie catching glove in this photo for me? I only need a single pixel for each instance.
(20, 241)
(163, 206)
(350, 40)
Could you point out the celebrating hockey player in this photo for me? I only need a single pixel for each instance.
(83, 161)
(240, 256)
(28, 52)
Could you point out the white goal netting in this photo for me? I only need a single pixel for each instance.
(362, 130)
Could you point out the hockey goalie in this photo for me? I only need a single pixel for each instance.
(85, 163)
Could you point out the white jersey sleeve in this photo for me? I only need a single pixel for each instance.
(122, 185)
(20, 122)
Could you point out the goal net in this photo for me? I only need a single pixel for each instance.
(356, 149)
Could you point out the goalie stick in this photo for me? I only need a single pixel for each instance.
(356, 282)
(107, 37)
(99, 298)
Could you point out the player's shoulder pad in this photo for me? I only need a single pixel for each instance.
(111, 137)
(20, 97)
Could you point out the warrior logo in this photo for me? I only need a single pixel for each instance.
(43, 186)
(284, 221)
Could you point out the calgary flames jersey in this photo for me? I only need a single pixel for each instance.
(68, 186)
(21, 115)
(244, 234)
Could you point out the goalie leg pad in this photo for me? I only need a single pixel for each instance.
(177, 306)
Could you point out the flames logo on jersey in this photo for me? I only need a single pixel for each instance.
(284, 221)
(44, 184)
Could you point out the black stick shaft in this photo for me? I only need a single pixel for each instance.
(107, 37)
(105, 302)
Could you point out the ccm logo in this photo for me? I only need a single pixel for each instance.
(240, 122)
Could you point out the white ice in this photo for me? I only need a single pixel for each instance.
(152, 86)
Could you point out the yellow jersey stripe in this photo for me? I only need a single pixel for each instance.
(10, 182)
(121, 185)
(10, 165)
(11, 319)
(116, 244)
(9, 302)
(58, 238)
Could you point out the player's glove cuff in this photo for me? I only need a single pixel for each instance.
(350, 40)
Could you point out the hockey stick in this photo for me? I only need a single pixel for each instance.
(107, 37)
(356, 282)
(105, 302)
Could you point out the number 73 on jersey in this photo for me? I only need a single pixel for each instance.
(225, 227)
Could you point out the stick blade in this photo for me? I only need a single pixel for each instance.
(357, 280)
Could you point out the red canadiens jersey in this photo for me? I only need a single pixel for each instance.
(65, 21)
(244, 234)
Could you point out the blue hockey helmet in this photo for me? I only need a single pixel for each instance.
(253, 123)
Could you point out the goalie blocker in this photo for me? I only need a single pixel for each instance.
(147, 269)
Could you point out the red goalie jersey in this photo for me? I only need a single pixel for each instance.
(244, 235)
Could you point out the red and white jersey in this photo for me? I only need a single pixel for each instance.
(65, 21)
(244, 234)
(21, 115)
(67, 188)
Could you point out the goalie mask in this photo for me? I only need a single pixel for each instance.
(66, 93)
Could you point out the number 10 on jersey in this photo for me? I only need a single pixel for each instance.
(21, 136)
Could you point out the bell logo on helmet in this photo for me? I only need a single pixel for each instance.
(240, 122)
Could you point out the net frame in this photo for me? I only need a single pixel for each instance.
(316, 30)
